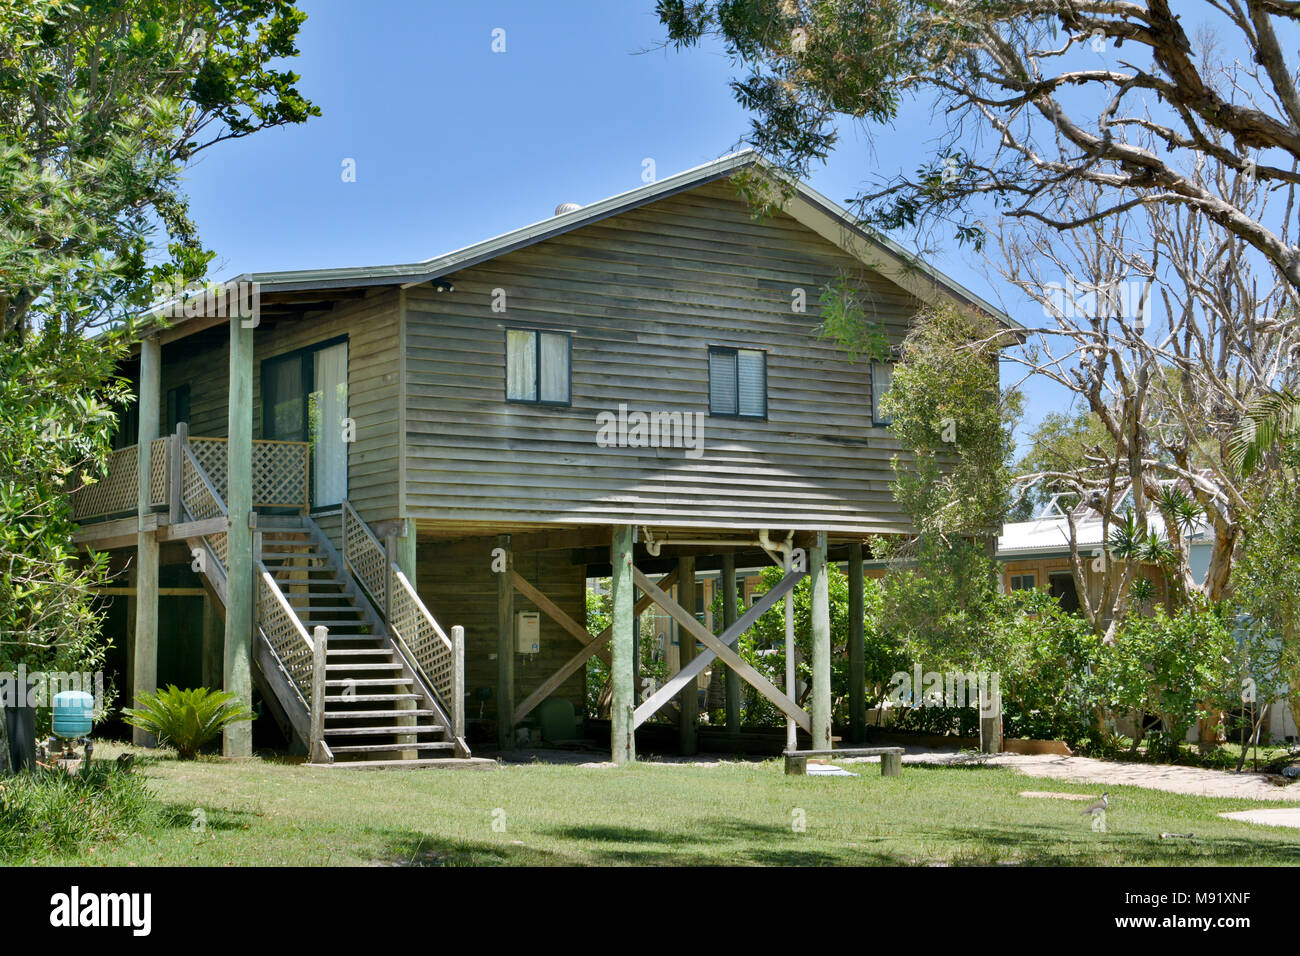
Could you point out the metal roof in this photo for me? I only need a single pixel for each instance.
(416, 273)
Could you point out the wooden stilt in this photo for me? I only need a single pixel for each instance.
(238, 658)
(505, 650)
(689, 702)
(857, 649)
(622, 626)
(145, 662)
(728, 584)
(821, 644)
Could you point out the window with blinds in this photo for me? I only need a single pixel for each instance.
(538, 367)
(882, 376)
(737, 382)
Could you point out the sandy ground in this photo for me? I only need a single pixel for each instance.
(1288, 817)
(1081, 770)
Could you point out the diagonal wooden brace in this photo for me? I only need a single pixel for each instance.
(593, 646)
(747, 671)
(697, 664)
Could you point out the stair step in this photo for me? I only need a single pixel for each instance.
(358, 651)
(368, 714)
(390, 748)
(368, 682)
(386, 730)
(361, 667)
(368, 698)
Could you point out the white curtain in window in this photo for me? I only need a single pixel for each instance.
(521, 365)
(330, 408)
(752, 377)
(882, 375)
(555, 368)
(722, 383)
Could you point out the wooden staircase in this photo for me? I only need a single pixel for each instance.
(376, 707)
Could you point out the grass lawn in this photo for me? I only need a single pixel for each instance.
(273, 813)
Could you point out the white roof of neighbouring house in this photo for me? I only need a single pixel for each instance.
(1050, 534)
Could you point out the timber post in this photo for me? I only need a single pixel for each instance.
(728, 582)
(457, 701)
(622, 628)
(320, 636)
(238, 740)
(819, 588)
(688, 703)
(505, 650)
(145, 664)
(857, 648)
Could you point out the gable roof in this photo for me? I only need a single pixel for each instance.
(807, 206)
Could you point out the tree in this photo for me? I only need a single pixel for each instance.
(1039, 95)
(1058, 443)
(102, 102)
(954, 422)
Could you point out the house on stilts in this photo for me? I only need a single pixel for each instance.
(339, 492)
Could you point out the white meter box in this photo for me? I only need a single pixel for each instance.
(528, 632)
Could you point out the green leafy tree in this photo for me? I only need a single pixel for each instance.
(102, 103)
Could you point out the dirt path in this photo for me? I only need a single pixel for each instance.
(1173, 779)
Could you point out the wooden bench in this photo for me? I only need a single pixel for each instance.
(891, 758)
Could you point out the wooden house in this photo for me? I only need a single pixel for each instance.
(371, 476)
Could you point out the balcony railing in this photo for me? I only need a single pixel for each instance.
(280, 476)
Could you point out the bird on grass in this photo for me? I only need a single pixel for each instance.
(1095, 808)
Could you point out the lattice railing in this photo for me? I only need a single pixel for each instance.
(365, 556)
(409, 621)
(115, 492)
(290, 641)
(201, 500)
(280, 470)
(412, 623)
(159, 472)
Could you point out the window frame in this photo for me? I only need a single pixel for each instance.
(734, 351)
(876, 420)
(1021, 575)
(537, 367)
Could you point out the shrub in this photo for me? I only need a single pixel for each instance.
(51, 812)
(186, 719)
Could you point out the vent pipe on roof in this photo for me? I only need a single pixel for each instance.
(564, 207)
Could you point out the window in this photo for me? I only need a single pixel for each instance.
(882, 376)
(538, 366)
(737, 382)
(178, 407)
(1023, 582)
(1060, 585)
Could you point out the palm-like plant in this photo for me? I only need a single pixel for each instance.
(1269, 421)
(186, 719)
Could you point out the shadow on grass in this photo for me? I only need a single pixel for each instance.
(181, 816)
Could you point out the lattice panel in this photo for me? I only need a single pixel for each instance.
(413, 623)
(115, 492)
(364, 555)
(280, 471)
(287, 638)
(211, 456)
(280, 474)
(158, 472)
(197, 494)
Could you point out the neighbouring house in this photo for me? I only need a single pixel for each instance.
(373, 496)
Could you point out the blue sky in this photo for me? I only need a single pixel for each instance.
(454, 143)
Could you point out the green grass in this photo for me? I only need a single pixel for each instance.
(268, 812)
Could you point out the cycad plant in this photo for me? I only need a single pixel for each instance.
(186, 719)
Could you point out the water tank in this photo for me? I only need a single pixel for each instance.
(73, 713)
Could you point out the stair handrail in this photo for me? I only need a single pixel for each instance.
(440, 658)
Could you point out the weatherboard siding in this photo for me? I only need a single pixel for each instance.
(645, 293)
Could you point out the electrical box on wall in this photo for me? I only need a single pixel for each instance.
(528, 632)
